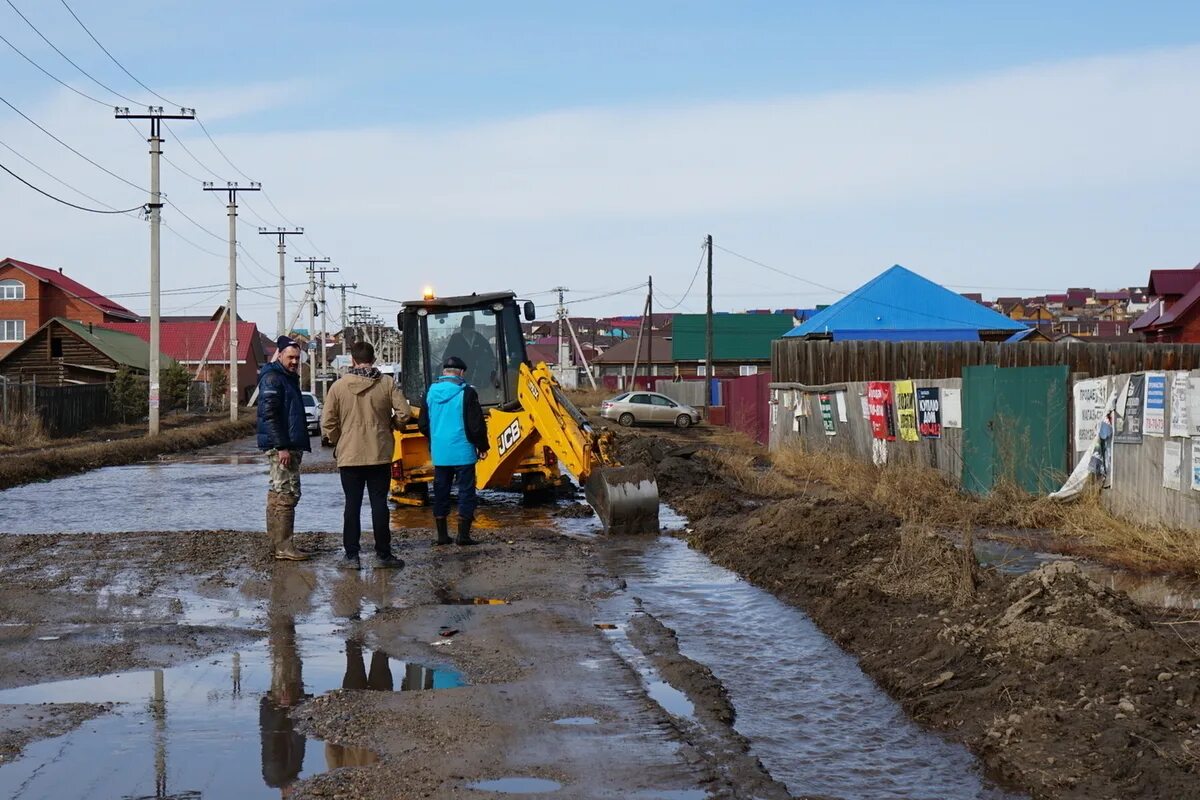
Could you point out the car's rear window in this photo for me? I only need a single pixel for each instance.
(310, 401)
(619, 398)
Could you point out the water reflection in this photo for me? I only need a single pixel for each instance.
(282, 745)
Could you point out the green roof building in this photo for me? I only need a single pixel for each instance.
(739, 340)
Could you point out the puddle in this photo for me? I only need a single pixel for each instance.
(1159, 591)
(219, 727)
(671, 699)
(814, 719)
(673, 794)
(517, 786)
(225, 486)
(577, 721)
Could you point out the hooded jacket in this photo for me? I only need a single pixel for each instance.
(453, 423)
(359, 416)
(282, 424)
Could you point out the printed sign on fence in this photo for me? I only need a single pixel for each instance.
(951, 408)
(906, 411)
(882, 411)
(841, 406)
(1154, 419)
(1129, 427)
(1193, 403)
(1196, 464)
(929, 412)
(827, 414)
(1172, 464)
(1090, 399)
(1179, 405)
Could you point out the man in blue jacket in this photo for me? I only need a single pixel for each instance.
(452, 421)
(283, 433)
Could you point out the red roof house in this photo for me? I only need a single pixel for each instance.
(1174, 316)
(188, 343)
(31, 296)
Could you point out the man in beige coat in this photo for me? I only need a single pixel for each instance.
(361, 411)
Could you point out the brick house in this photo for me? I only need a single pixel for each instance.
(1174, 316)
(31, 296)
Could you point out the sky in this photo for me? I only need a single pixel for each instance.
(1001, 147)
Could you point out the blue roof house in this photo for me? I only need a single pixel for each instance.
(900, 305)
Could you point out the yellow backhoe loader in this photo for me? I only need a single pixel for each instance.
(536, 432)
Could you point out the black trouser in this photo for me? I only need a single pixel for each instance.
(376, 478)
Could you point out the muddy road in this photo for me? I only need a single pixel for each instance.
(151, 650)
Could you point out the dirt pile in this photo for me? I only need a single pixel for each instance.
(28, 467)
(1063, 687)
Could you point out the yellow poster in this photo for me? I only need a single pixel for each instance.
(906, 411)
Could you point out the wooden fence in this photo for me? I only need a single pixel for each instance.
(62, 410)
(816, 363)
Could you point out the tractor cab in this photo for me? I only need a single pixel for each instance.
(484, 330)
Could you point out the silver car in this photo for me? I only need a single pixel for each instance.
(632, 407)
(312, 412)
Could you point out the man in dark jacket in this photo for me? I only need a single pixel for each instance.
(452, 421)
(283, 433)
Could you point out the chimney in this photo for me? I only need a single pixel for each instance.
(60, 272)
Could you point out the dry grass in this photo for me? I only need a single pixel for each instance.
(26, 431)
(747, 473)
(926, 565)
(589, 398)
(926, 497)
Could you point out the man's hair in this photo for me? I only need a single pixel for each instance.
(362, 353)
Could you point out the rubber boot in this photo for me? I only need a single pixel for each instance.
(464, 533)
(285, 550)
(443, 531)
(274, 521)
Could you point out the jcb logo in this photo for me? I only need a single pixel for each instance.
(510, 436)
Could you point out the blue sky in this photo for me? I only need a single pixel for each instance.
(475, 145)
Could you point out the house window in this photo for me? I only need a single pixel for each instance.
(12, 330)
(12, 290)
(56, 347)
(702, 370)
(748, 369)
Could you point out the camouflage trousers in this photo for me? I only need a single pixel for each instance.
(284, 480)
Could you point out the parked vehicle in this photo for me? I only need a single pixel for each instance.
(312, 412)
(632, 407)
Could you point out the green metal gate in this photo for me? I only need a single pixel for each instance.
(1014, 428)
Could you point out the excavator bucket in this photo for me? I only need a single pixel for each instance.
(625, 498)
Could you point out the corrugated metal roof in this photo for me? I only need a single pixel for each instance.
(1172, 281)
(736, 337)
(899, 299)
(72, 287)
(123, 348)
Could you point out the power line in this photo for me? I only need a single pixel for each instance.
(112, 57)
(217, 147)
(55, 178)
(696, 274)
(202, 249)
(51, 76)
(67, 58)
(779, 271)
(192, 155)
(68, 202)
(72, 149)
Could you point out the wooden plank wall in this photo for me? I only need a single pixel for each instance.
(854, 438)
(823, 362)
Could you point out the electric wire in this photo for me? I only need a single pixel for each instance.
(217, 147)
(57, 179)
(67, 202)
(696, 274)
(67, 58)
(201, 248)
(112, 57)
(72, 149)
(53, 77)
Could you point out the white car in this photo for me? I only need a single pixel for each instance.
(632, 407)
(312, 412)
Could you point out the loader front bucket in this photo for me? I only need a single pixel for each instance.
(625, 499)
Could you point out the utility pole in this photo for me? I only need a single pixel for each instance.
(342, 287)
(562, 358)
(232, 188)
(708, 330)
(154, 207)
(282, 233)
(311, 269)
(650, 344)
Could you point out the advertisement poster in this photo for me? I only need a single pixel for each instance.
(1129, 425)
(1179, 405)
(906, 411)
(881, 410)
(952, 408)
(1090, 398)
(866, 408)
(827, 414)
(1154, 417)
(929, 412)
(841, 406)
(1172, 465)
(1196, 465)
(1194, 406)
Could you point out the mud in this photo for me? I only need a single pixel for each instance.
(1063, 687)
(22, 724)
(20, 467)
